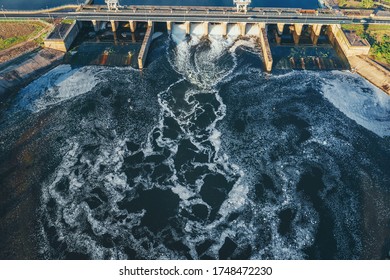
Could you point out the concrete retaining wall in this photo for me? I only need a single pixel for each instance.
(143, 53)
(336, 34)
(22, 71)
(67, 40)
(266, 50)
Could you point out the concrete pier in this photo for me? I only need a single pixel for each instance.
(188, 27)
(224, 28)
(96, 25)
(298, 28)
(169, 27)
(114, 25)
(242, 26)
(132, 25)
(315, 33)
(280, 27)
(206, 28)
(266, 50)
(143, 53)
(297, 32)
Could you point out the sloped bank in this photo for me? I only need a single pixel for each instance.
(20, 71)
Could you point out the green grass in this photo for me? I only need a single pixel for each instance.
(9, 42)
(41, 38)
(365, 4)
(373, 33)
(67, 21)
(379, 38)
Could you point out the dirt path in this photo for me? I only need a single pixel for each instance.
(24, 47)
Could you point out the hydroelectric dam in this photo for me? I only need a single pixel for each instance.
(203, 154)
(239, 20)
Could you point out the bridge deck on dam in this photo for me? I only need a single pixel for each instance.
(199, 14)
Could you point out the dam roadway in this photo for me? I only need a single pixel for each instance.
(195, 14)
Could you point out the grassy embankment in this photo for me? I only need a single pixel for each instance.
(379, 38)
(15, 32)
(71, 21)
(361, 4)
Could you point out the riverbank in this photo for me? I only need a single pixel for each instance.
(20, 37)
(377, 36)
(371, 71)
(20, 71)
(373, 65)
(22, 58)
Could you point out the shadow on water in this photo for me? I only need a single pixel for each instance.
(105, 47)
(304, 55)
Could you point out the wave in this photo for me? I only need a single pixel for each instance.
(198, 186)
(365, 104)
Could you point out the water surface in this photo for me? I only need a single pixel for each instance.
(202, 156)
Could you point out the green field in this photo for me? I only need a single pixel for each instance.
(21, 32)
(360, 4)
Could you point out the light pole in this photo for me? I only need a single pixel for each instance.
(2, 8)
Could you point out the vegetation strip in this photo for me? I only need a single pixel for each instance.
(379, 38)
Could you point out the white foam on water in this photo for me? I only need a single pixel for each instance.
(366, 105)
(182, 192)
(234, 30)
(58, 85)
(215, 138)
(197, 29)
(203, 72)
(319, 149)
(178, 32)
(244, 230)
(253, 30)
(237, 198)
(71, 209)
(285, 175)
(216, 30)
(250, 44)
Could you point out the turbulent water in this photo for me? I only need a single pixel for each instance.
(204, 156)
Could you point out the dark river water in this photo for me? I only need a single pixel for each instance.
(200, 156)
(39, 4)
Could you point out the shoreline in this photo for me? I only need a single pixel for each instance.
(22, 70)
(371, 71)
